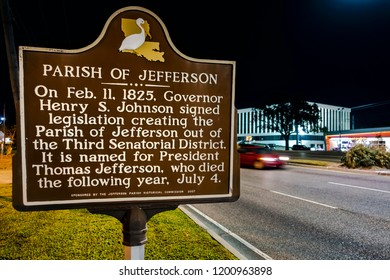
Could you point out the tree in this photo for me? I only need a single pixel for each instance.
(9, 134)
(287, 117)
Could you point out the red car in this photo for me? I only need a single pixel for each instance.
(260, 157)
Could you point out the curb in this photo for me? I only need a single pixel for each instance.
(385, 172)
(232, 242)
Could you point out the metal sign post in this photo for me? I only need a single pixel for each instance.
(134, 233)
(135, 252)
(134, 227)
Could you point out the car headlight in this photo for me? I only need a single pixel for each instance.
(284, 158)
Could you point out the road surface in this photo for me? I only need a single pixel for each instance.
(310, 213)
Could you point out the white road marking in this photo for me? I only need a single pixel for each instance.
(311, 201)
(225, 230)
(357, 187)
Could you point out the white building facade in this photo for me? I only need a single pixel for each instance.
(251, 126)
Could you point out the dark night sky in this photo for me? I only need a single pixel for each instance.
(327, 51)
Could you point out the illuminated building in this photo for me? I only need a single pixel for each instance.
(335, 119)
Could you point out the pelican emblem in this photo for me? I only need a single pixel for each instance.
(134, 41)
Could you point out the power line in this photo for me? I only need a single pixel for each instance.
(366, 106)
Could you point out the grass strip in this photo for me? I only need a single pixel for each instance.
(79, 235)
(309, 162)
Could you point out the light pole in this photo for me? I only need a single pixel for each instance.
(340, 110)
(3, 142)
(3, 122)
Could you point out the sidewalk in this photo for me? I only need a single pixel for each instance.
(6, 170)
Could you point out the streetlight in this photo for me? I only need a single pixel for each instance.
(3, 122)
(3, 142)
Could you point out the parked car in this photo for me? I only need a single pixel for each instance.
(300, 147)
(260, 157)
(272, 146)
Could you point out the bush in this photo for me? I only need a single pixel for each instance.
(361, 156)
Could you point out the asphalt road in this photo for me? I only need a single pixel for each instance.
(308, 213)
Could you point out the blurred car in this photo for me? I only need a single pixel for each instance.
(300, 147)
(260, 157)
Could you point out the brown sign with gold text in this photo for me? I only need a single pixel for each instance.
(126, 120)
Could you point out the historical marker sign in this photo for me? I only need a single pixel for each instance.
(126, 120)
